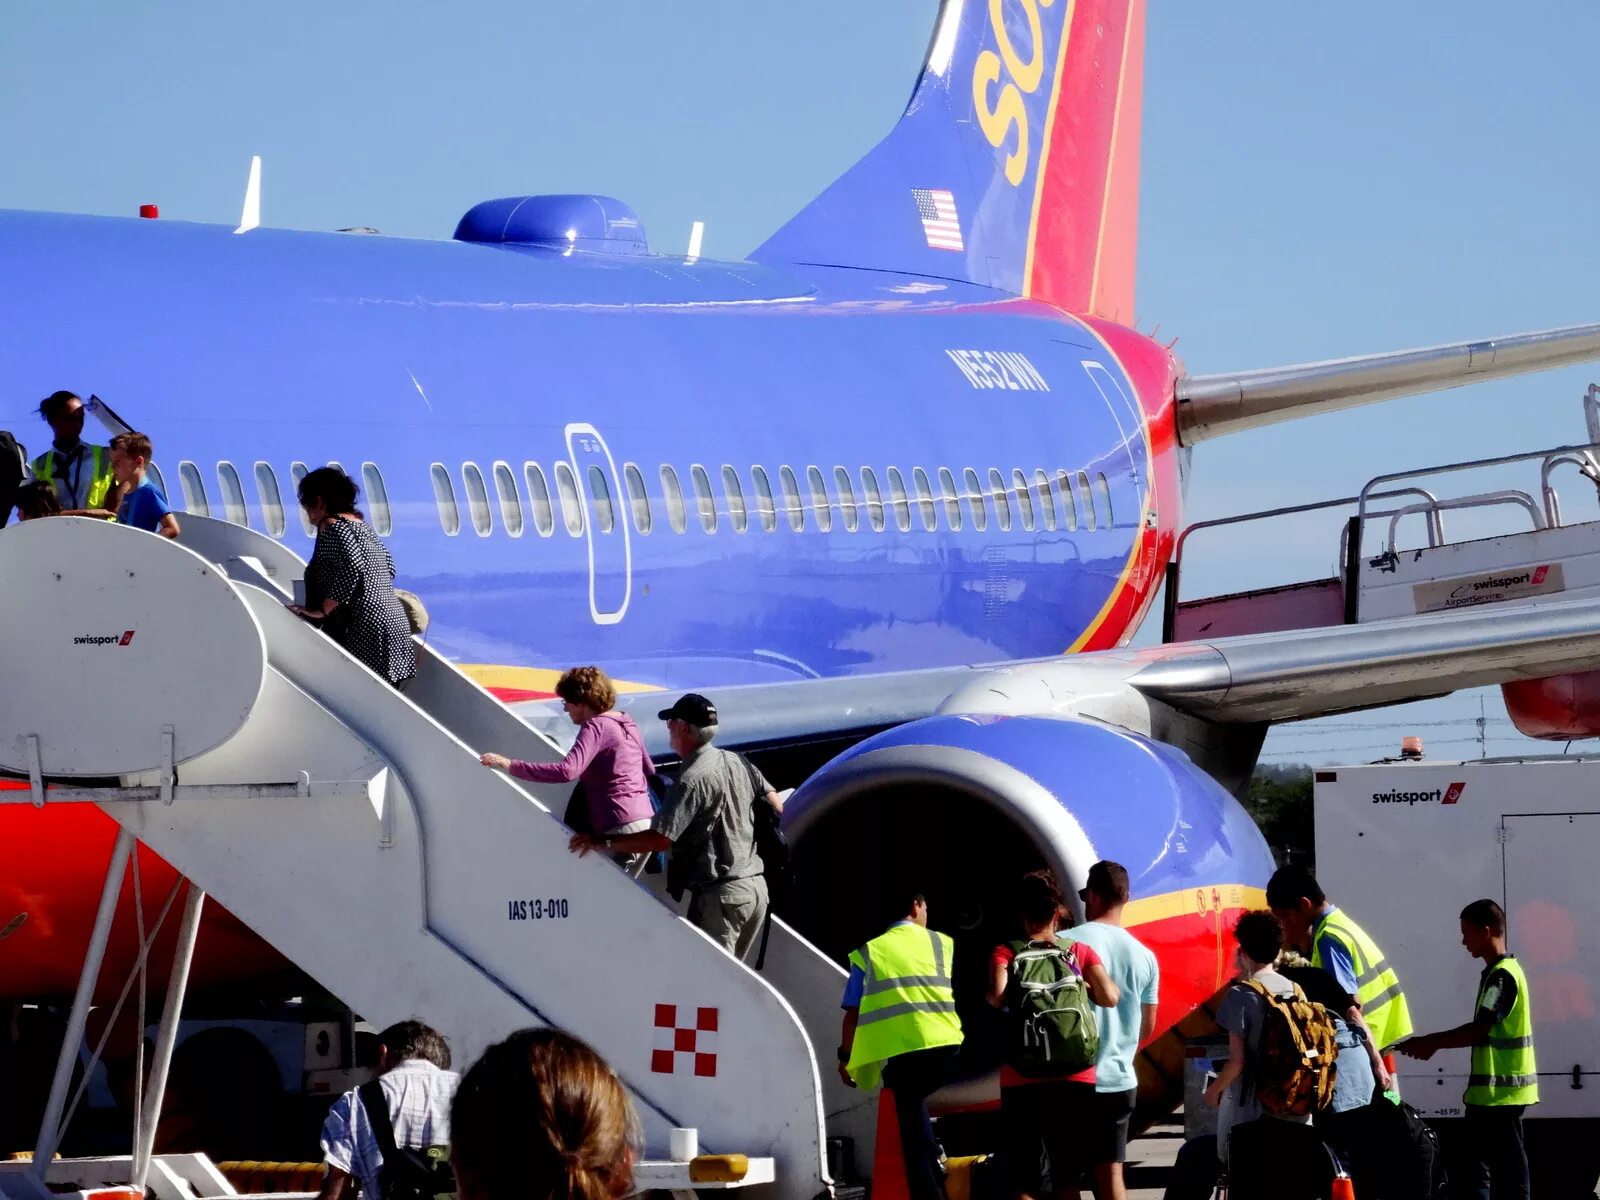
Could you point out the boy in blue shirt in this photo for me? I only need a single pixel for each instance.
(143, 506)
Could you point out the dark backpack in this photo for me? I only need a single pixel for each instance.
(1279, 1160)
(13, 463)
(1295, 1063)
(407, 1174)
(1392, 1152)
(1056, 1032)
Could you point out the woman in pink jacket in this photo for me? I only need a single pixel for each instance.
(608, 756)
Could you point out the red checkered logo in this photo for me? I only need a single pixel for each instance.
(695, 1042)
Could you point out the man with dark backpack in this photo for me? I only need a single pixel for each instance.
(1049, 988)
(392, 1135)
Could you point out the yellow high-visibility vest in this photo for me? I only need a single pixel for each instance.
(1503, 1071)
(1383, 1004)
(100, 479)
(907, 1001)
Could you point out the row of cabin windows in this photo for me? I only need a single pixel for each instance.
(231, 497)
(1062, 500)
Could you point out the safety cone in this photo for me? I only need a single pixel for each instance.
(888, 1160)
(1344, 1187)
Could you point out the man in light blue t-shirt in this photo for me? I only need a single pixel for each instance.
(1122, 1028)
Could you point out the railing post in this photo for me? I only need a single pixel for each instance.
(50, 1127)
(167, 1035)
(1352, 572)
(1169, 604)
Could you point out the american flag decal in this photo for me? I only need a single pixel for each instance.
(937, 208)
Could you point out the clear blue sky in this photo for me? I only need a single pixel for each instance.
(1317, 181)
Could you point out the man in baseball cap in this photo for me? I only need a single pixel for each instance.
(708, 823)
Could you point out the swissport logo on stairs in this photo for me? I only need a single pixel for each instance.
(1447, 795)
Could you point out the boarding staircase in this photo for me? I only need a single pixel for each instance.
(352, 827)
(1396, 559)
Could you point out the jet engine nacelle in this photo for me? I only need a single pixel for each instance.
(1557, 708)
(960, 806)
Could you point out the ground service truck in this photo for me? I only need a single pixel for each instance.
(1406, 844)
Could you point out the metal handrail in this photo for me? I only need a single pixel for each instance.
(1452, 468)
(1514, 496)
(1586, 464)
(1290, 510)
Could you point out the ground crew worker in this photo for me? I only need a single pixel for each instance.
(1342, 948)
(1503, 1081)
(900, 1028)
(81, 472)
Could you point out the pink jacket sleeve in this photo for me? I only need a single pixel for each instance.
(570, 767)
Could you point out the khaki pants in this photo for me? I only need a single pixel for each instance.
(731, 913)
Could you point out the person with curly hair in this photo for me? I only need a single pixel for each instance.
(541, 1116)
(608, 757)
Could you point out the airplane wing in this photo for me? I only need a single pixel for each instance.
(1255, 679)
(1212, 405)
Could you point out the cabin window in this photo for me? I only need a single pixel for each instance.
(377, 498)
(297, 472)
(567, 497)
(869, 488)
(672, 491)
(734, 491)
(1104, 489)
(951, 498)
(766, 509)
(233, 509)
(1084, 495)
(791, 499)
(703, 499)
(605, 515)
(505, 490)
(444, 498)
(477, 499)
(1047, 507)
(975, 500)
(194, 489)
(544, 517)
(638, 501)
(819, 499)
(1069, 505)
(847, 500)
(899, 501)
(1002, 503)
(925, 505)
(1019, 484)
(271, 500)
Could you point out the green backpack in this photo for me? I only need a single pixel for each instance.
(1056, 1032)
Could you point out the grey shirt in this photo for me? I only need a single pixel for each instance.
(709, 817)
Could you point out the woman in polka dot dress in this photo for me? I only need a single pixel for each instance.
(350, 580)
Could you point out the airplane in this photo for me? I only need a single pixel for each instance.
(897, 491)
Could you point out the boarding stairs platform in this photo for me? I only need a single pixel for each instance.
(1396, 556)
(352, 826)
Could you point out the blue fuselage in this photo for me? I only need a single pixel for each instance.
(600, 369)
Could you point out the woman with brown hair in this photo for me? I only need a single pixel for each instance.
(608, 757)
(541, 1116)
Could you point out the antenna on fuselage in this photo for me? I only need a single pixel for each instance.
(250, 218)
(697, 233)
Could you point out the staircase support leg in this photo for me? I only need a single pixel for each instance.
(167, 1034)
(50, 1127)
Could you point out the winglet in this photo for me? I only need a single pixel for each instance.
(250, 218)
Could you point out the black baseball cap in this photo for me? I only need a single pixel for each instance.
(693, 708)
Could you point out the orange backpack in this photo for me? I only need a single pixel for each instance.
(1296, 1061)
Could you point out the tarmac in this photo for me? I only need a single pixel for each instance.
(1150, 1158)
